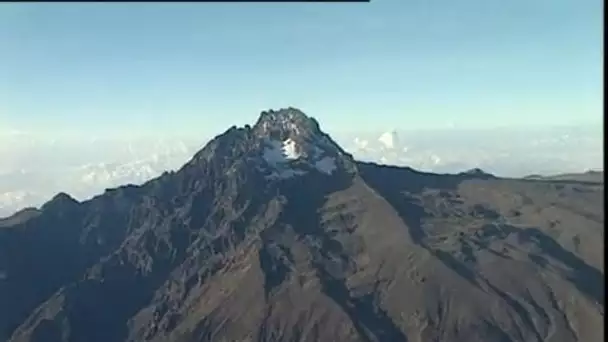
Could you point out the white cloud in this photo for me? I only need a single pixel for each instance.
(505, 152)
(389, 139)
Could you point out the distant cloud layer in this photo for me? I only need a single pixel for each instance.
(34, 168)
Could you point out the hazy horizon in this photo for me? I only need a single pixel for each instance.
(35, 168)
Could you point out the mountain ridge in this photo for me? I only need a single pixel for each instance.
(223, 250)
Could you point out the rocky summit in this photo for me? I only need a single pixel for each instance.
(272, 232)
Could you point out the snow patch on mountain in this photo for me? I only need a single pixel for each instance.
(277, 155)
(277, 152)
(273, 153)
(286, 161)
(326, 165)
(290, 149)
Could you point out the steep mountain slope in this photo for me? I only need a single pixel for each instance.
(274, 233)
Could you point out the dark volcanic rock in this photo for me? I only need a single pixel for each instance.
(273, 233)
(479, 173)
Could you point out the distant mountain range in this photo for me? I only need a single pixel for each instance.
(589, 176)
(273, 232)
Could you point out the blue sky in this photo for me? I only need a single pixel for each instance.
(201, 67)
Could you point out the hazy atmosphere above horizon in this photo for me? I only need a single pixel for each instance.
(94, 95)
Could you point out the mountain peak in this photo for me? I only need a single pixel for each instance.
(293, 143)
(282, 144)
(286, 123)
(477, 172)
(63, 197)
(61, 200)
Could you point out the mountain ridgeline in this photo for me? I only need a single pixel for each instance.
(272, 232)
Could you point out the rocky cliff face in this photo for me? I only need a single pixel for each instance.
(274, 233)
